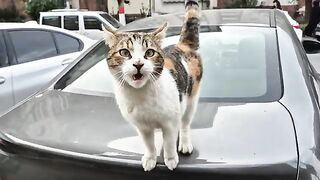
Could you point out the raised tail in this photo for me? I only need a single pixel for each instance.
(190, 29)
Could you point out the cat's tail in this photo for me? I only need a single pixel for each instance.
(190, 29)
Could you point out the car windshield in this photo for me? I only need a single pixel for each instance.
(240, 65)
(111, 20)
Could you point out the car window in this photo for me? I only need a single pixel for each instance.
(52, 21)
(66, 44)
(238, 67)
(3, 52)
(311, 47)
(30, 45)
(71, 22)
(92, 23)
(111, 20)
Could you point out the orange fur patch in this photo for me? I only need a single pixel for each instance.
(185, 48)
(169, 64)
(195, 70)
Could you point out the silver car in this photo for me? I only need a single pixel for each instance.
(258, 117)
(31, 55)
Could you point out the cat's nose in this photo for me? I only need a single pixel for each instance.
(138, 66)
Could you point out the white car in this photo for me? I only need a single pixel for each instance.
(31, 55)
(295, 25)
(84, 22)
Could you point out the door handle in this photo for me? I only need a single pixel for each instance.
(67, 61)
(2, 80)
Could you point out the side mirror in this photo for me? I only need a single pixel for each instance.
(311, 46)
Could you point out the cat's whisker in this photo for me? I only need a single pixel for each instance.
(116, 74)
(121, 80)
(157, 73)
(155, 85)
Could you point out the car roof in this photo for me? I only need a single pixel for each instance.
(12, 25)
(35, 25)
(70, 11)
(253, 17)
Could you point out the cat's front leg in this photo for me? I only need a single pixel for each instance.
(170, 136)
(149, 159)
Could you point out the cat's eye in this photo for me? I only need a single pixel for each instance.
(124, 52)
(150, 52)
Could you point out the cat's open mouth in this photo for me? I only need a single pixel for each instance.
(137, 76)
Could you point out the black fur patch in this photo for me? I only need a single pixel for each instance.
(200, 75)
(190, 85)
(191, 2)
(136, 37)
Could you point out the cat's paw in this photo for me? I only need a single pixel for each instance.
(172, 162)
(185, 147)
(148, 163)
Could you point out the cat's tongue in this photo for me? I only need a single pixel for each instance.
(137, 76)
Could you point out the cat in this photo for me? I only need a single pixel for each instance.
(158, 88)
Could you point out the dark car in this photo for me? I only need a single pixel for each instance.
(258, 116)
(317, 32)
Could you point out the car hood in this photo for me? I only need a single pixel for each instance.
(224, 134)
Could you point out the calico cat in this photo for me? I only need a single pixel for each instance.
(158, 88)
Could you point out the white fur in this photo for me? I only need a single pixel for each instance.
(156, 106)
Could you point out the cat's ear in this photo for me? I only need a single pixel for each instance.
(160, 33)
(109, 35)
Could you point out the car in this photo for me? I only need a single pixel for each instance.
(258, 115)
(84, 22)
(312, 47)
(31, 55)
(317, 32)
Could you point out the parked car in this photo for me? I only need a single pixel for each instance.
(317, 31)
(31, 55)
(258, 115)
(312, 46)
(87, 23)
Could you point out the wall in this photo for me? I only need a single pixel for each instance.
(282, 2)
(173, 6)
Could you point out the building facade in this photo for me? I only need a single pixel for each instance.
(144, 7)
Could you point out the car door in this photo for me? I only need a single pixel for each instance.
(92, 26)
(39, 59)
(6, 95)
